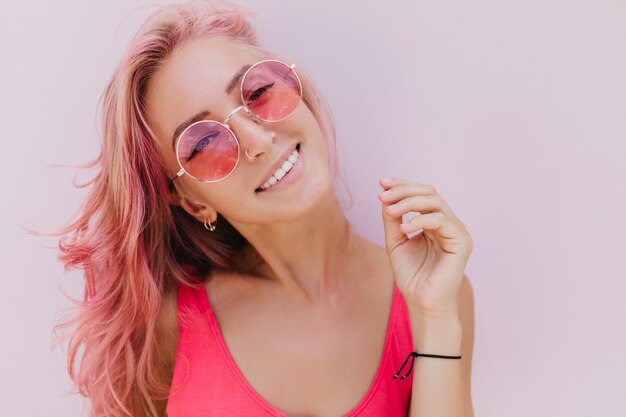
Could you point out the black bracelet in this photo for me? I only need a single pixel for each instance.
(413, 355)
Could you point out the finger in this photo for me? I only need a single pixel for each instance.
(393, 234)
(390, 182)
(419, 203)
(403, 186)
(396, 193)
(404, 189)
(437, 222)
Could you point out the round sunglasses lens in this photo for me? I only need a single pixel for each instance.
(208, 151)
(271, 90)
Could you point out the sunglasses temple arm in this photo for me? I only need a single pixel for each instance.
(178, 174)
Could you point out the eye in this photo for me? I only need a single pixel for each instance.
(200, 146)
(259, 92)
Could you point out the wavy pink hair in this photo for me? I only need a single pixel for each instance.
(132, 245)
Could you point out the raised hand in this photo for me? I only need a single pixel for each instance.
(428, 268)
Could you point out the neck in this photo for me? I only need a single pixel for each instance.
(308, 256)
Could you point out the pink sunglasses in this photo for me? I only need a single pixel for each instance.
(208, 150)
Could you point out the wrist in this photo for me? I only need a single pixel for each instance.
(440, 336)
(431, 310)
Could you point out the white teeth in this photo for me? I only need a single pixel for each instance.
(282, 171)
(279, 173)
(286, 166)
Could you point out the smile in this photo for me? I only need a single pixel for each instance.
(280, 176)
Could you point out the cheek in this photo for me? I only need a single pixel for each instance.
(302, 118)
(227, 196)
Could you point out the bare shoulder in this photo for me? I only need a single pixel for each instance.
(372, 254)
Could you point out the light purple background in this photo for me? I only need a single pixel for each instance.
(515, 111)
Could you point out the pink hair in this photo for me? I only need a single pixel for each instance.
(132, 245)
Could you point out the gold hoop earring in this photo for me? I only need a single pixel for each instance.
(210, 226)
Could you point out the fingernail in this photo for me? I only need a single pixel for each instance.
(386, 180)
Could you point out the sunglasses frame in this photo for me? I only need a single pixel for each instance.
(224, 124)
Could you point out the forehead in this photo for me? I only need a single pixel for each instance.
(194, 78)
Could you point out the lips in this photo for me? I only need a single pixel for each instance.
(277, 164)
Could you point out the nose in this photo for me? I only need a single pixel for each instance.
(252, 134)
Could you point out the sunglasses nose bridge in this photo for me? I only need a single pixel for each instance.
(233, 112)
(248, 112)
(253, 139)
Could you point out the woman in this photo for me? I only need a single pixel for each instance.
(222, 277)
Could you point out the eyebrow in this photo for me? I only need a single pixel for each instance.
(202, 114)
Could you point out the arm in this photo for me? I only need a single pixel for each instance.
(428, 268)
(442, 387)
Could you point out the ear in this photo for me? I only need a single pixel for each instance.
(195, 208)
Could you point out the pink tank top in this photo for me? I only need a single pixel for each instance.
(207, 381)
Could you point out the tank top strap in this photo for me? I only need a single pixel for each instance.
(195, 353)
